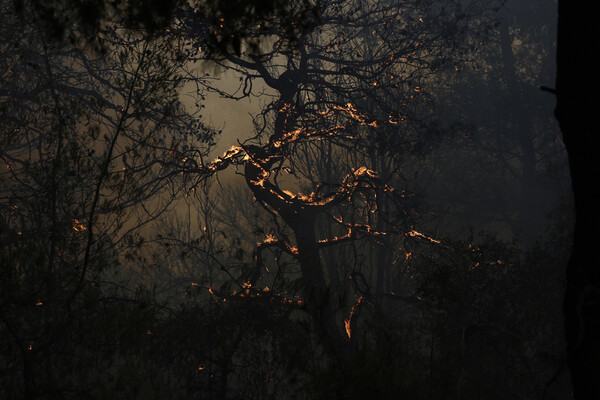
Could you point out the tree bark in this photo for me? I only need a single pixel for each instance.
(301, 218)
(576, 82)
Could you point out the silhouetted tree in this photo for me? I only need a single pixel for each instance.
(576, 83)
(86, 144)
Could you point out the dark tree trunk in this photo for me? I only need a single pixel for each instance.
(319, 301)
(301, 218)
(577, 87)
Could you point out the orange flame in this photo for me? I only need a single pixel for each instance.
(414, 233)
(348, 321)
(78, 226)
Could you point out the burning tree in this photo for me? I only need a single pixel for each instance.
(347, 77)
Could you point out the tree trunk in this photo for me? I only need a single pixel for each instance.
(576, 81)
(317, 296)
(302, 220)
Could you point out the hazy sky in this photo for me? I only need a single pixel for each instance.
(230, 116)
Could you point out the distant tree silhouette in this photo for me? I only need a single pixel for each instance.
(84, 141)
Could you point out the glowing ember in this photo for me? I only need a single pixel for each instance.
(414, 233)
(348, 321)
(78, 226)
